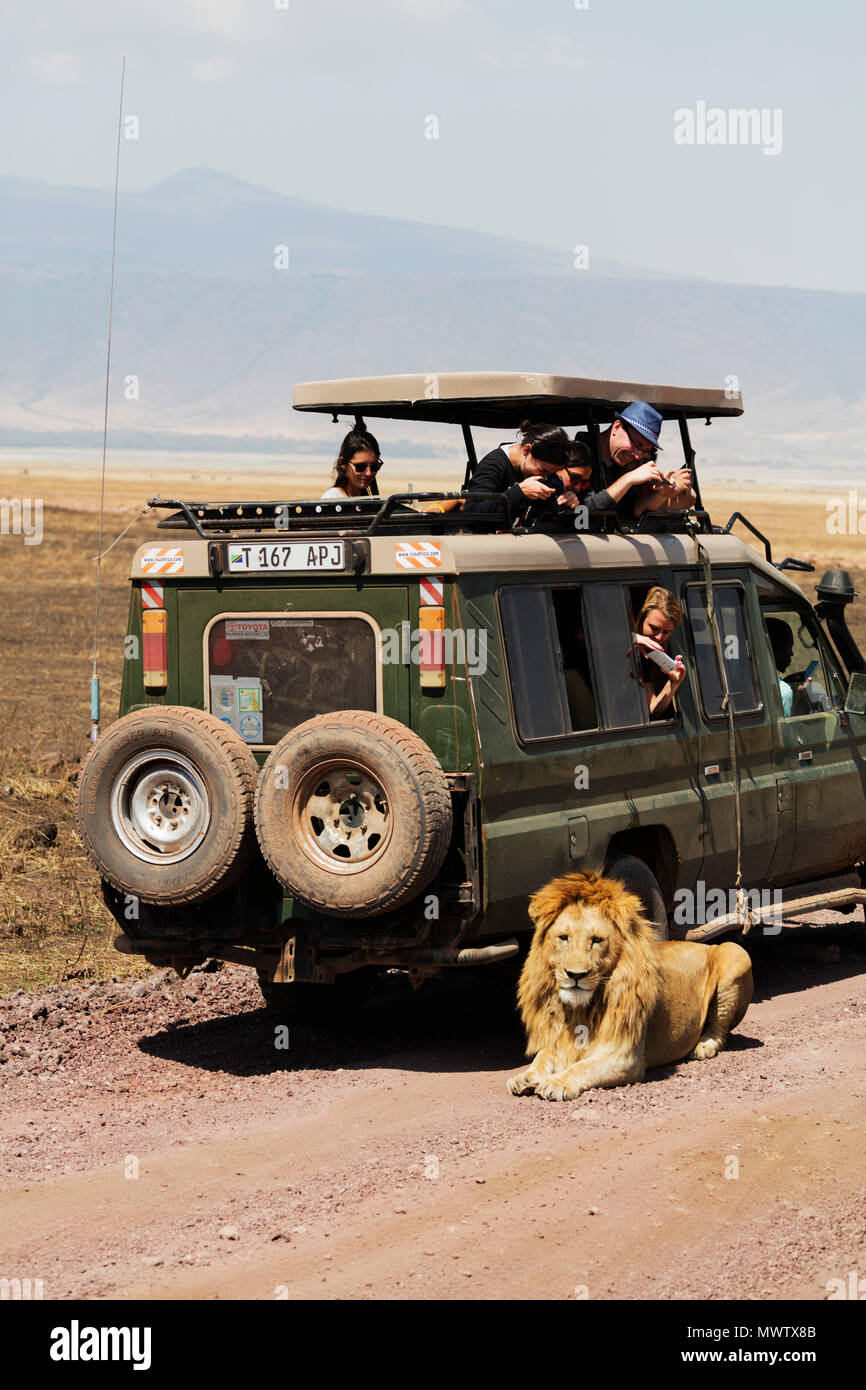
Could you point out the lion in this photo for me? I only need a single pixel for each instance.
(602, 999)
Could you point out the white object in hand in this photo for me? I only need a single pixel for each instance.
(661, 659)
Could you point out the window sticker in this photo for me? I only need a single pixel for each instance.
(247, 629)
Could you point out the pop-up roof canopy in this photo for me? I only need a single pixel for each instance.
(504, 398)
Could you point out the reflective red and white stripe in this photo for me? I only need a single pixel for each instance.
(432, 590)
(151, 594)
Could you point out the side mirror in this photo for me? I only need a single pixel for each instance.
(855, 700)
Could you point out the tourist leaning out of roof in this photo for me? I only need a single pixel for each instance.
(630, 444)
(658, 617)
(518, 470)
(577, 477)
(357, 464)
(568, 488)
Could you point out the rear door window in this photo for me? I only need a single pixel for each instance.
(266, 674)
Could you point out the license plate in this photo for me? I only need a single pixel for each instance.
(285, 556)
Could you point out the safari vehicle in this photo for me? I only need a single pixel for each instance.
(348, 736)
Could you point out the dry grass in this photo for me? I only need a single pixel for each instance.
(797, 525)
(53, 924)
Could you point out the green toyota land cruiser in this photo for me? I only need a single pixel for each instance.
(350, 736)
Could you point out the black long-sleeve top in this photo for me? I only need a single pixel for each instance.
(496, 473)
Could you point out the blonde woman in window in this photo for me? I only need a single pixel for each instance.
(656, 621)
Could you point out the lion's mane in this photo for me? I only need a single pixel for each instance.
(619, 1009)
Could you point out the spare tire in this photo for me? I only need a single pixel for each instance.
(353, 813)
(165, 804)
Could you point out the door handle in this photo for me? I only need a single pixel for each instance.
(805, 756)
(712, 770)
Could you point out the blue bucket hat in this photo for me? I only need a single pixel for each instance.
(644, 419)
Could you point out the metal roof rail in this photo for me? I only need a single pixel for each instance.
(738, 516)
(360, 516)
(365, 516)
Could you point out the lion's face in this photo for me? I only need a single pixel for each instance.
(581, 948)
(590, 954)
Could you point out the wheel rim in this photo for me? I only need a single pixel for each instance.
(341, 817)
(160, 807)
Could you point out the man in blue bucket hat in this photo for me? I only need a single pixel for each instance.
(640, 419)
(630, 445)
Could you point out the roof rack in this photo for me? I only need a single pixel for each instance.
(362, 516)
(365, 516)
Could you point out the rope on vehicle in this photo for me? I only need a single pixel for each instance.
(138, 515)
(745, 916)
(94, 679)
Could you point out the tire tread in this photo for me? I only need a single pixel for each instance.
(243, 771)
(435, 797)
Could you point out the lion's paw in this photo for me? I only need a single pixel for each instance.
(554, 1088)
(707, 1047)
(522, 1084)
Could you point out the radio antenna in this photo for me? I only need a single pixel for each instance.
(94, 680)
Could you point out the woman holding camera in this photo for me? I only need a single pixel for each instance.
(524, 471)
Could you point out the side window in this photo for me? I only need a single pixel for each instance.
(729, 604)
(807, 682)
(571, 659)
(609, 625)
(268, 674)
(576, 662)
(532, 643)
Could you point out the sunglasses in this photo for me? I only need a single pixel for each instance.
(366, 467)
(640, 446)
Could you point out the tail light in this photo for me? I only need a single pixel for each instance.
(155, 648)
(432, 647)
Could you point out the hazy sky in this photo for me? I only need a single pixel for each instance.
(555, 123)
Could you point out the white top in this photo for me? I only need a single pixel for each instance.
(335, 492)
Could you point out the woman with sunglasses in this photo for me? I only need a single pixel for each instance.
(356, 465)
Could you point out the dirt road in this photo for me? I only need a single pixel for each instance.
(156, 1143)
